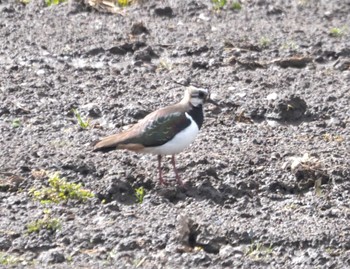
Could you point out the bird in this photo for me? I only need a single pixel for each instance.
(166, 131)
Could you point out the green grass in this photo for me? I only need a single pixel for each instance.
(47, 223)
(219, 4)
(16, 123)
(236, 6)
(82, 123)
(257, 251)
(336, 32)
(164, 64)
(265, 42)
(53, 2)
(124, 3)
(140, 194)
(289, 45)
(8, 260)
(60, 190)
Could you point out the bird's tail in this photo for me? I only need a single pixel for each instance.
(106, 144)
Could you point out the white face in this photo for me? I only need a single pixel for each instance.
(198, 96)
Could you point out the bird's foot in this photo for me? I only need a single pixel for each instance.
(162, 181)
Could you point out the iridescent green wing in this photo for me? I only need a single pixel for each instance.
(161, 128)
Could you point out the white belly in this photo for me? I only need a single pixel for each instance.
(179, 141)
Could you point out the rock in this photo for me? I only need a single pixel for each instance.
(97, 238)
(138, 29)
(164, 11)
(275, 10)
(294, 62)
(145, 54)
(198, 50)
(186, 230)
(9, 182)
(134, 111)
(52, 256)
(117, 50)
(127, 244)
(342, 64)
(5, 243)
(200, 64)
(92, 110)
(117, 190)
(287, 109)
(226, 251)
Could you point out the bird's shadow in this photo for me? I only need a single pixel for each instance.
(205, 190)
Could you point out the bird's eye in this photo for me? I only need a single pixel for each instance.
(201, 94)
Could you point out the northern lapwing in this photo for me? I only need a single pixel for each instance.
(166, 131)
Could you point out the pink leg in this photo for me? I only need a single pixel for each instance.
(178, 179)
(161, 180)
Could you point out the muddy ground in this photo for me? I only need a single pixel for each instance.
(267, 178)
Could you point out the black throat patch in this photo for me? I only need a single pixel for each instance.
(197, 115)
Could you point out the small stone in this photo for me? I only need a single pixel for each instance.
(51, 256)
(40, 72)
(136, 112)
(127, 244)
(226, 251)
(97, 238)
(272, 96)
(9, 182)
(200, 64)
(145, 54)
(287, 109)
(203, 17)
(333, 122)
(164, 11)
(92, 109)
(5, 243)
(138, 29)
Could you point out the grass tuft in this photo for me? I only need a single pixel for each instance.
(140, 194)
(236, 6)
(60, 190)
(46, 223)
(257, 251)
(219, 4)
(265, 42)
(124, 3)
(82, 123)
(336, 32)
(8, 260)
(53, 2)
(16, 123)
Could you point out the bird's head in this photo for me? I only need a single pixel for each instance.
(197, 96)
